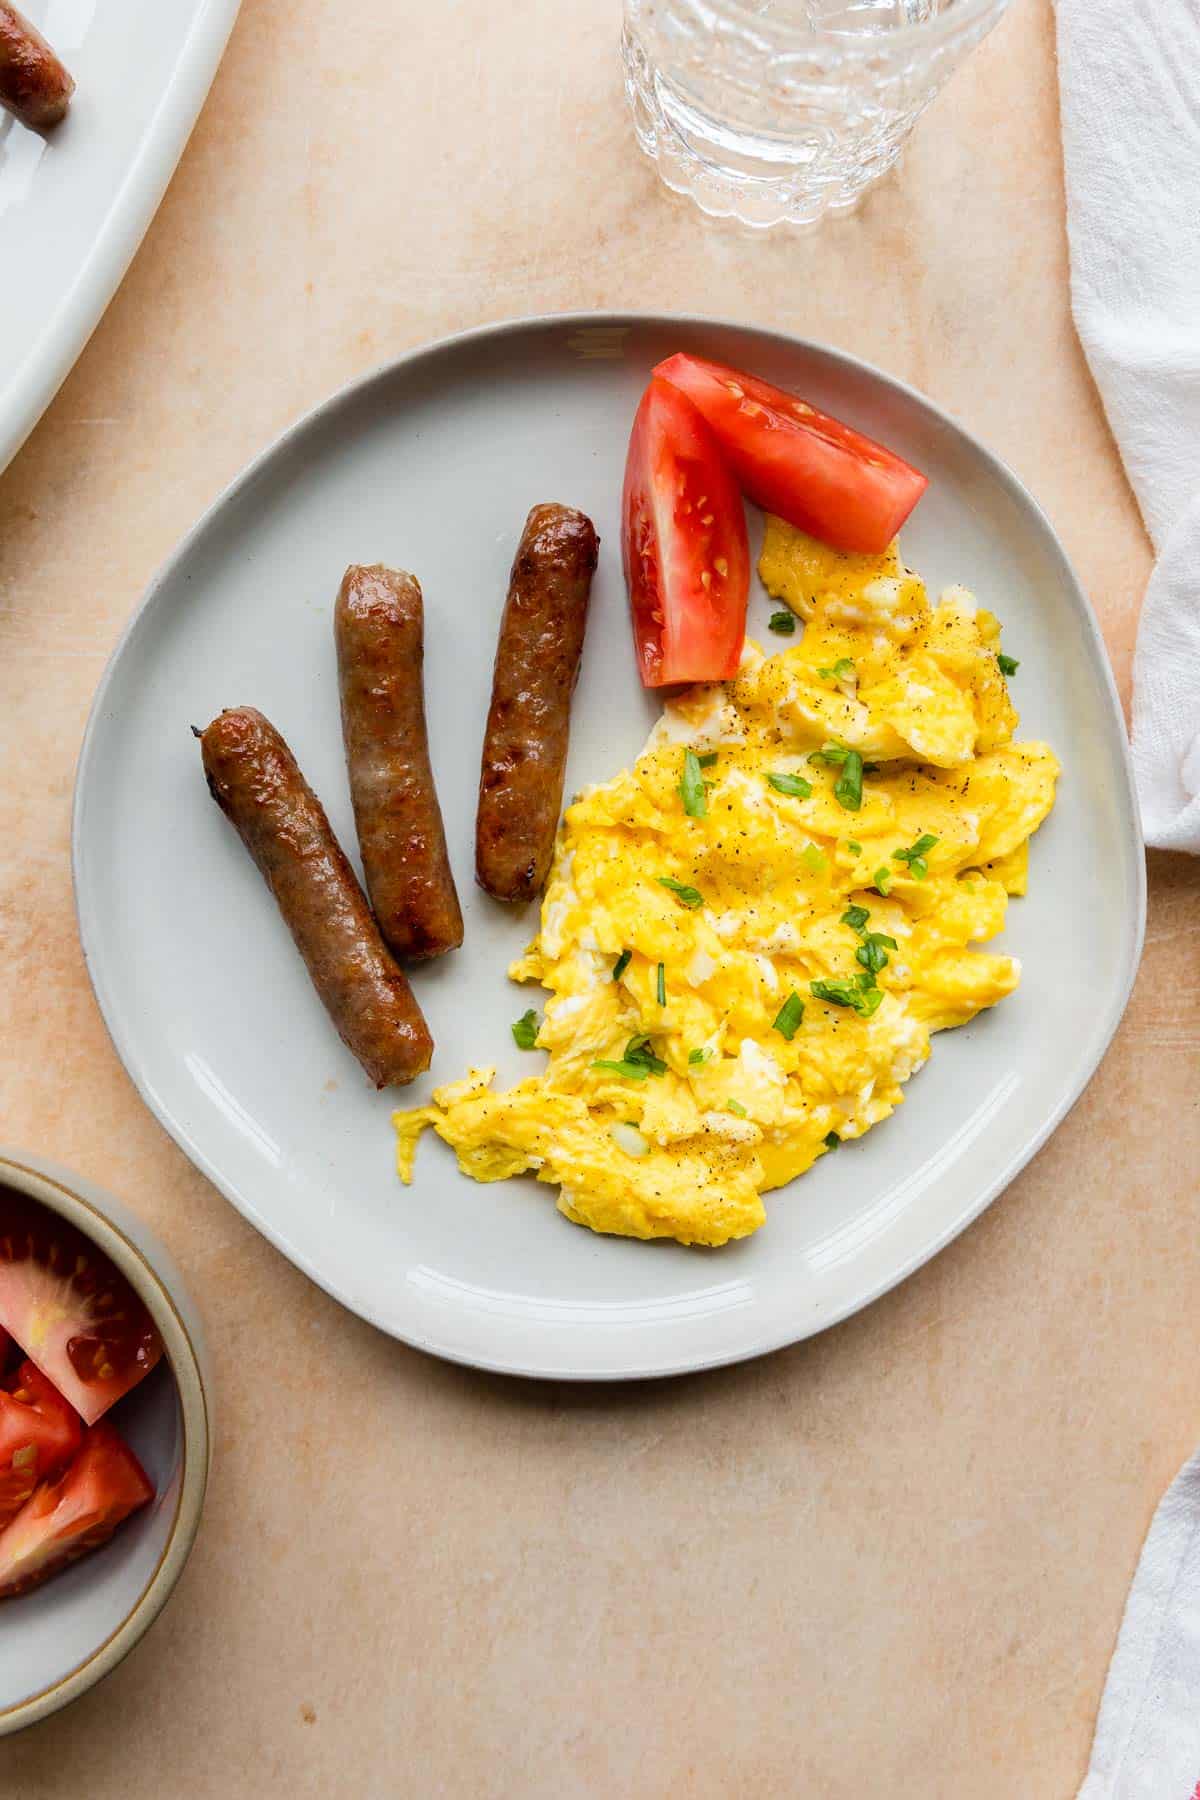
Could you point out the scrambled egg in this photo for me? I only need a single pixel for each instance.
(750, 936)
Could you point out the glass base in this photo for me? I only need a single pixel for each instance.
(748, 199)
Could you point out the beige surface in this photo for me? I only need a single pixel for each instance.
(890, 1560)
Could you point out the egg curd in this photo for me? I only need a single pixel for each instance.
(749, 937)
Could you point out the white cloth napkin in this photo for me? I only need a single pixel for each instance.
(1129, 76)
(1148, 1734)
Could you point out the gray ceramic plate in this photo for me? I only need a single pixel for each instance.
(432, 464)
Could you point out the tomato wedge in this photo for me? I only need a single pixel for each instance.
(70, 1310)
(792, 460)
(75, 1512)
(687, 561)
(39, 1432)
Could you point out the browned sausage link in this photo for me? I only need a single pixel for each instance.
(537, 666)
(378, 626)
(33, 83)
(255, 780)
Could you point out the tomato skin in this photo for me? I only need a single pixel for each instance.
(74, 1513)
(809, 468)
(684, 545)
(71, 1311)
(39, 1433)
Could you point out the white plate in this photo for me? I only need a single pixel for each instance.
(432, 464)
(74, 205)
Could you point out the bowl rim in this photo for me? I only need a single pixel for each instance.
(23, 1172)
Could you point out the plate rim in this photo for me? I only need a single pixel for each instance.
(141, 186)
(798, 1329)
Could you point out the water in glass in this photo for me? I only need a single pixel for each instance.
(781, 111)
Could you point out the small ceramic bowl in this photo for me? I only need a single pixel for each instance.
(60, 1639)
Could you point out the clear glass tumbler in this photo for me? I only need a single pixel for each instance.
(781, 111)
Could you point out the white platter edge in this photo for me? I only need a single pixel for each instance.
(51, 360)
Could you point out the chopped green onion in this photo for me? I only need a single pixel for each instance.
(854, 848)
(662, 984)
(859, 993)
(914, 856)
(847, 789)
(691, 787)
(813, 858)
(708, 759)
(639, 1053)
(791, 784)
(782, 622)
(525, 1030)
(831, 1140)
(735, 1106)
(622, 963)
(789, 1017)
(1008, 664)
(687, 896)
(924, 843)
(883, 879)
(833, 992)
(872, 952)
(842, 670)
(702, 1055)
(638, 1061)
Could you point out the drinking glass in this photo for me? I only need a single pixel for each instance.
(782, 111)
